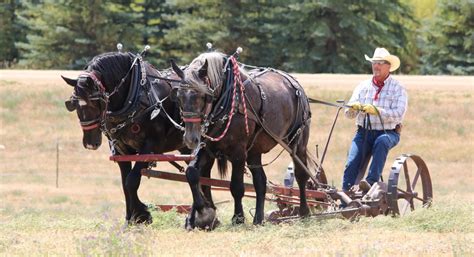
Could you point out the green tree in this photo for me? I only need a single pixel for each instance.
(150, 24)
(228, 25)
(196, 24)
(68, 33)
(9, 33)
(448, 45)
(303, 36)
(332, 36)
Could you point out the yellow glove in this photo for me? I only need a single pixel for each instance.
(370, 109)
(355, 106)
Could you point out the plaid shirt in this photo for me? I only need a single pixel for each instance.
(393, 101)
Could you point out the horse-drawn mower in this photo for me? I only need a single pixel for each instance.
(408, 187)
(117, 104)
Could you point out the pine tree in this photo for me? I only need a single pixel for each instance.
(303, 36)
(9, 33)
(332, 36)
(151, 24)
(68, 33)
(448, 47)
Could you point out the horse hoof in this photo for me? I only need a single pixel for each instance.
(142, 218)
(238, 219)
(188, 225)
(258, 222)
(304, 212)
(146, 220)
(206, 219)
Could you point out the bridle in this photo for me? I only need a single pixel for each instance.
(101, 95)
(98, 95)
(204, 116)
(198, 117)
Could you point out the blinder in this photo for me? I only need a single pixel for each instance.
(71, 104)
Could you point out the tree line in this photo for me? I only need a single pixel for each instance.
(324, 36)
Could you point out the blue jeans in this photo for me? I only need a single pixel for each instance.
(377, 143)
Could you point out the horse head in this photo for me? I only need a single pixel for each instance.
(201, 84)
(90, 98)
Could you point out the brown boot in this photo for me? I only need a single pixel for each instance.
(364, 186)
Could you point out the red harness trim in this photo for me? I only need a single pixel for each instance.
(90, 127)
(96, 79)
(102, 89)
(192, 120)
(135, 128)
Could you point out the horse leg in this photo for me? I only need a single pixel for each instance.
(300, 174)
(206, 190)
(139, 210)
(203, 213)
(260, 184)
(237, 189)
(125, 168)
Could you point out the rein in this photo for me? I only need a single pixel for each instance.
(165, 79)
(312, 100)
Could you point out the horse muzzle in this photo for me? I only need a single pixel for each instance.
(192, 137)
(92, 139)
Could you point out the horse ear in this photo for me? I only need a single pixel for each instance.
(176, 69)
(71, 82)
(203, 70)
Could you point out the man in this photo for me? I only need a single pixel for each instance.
(378, 104)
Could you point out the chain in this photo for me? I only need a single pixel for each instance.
(143, 71)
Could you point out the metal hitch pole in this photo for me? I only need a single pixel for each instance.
(330, 132)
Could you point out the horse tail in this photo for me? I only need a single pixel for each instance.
(222, 166)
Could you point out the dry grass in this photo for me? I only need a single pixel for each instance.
(84, 215)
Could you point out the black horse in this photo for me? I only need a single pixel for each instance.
(244, 114)
(118, 94)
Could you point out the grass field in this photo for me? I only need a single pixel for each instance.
(85, 213)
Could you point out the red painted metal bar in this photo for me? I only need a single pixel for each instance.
(272, 189)
(180, 208)
(281, 190)
(182, 178)
(284, 194)
(151, 158)
(281, 198)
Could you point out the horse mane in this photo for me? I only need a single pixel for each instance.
(215, 66)
(108, 65)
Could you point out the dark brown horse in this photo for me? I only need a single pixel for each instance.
(118, 95)
(240, 115)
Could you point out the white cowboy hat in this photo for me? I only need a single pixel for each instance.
(383, 54)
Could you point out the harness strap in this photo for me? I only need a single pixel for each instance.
(237, 80)
(95, 78)
(285, 146)
(90, 127)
